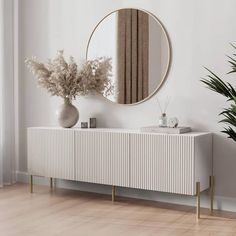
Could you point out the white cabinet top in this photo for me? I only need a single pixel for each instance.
(120, 130)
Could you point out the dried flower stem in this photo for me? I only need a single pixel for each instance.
(64, 79)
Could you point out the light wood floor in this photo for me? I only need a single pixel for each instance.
(67, 212)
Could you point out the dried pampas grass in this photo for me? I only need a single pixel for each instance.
(66, 80)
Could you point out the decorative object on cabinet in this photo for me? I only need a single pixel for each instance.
(84, 125)
(67, 114)
(140, 50)
(179, 164)
(92, 122)
(216, 84)
(165, 130)
(162, 122)
(173, 122)
(64, 79)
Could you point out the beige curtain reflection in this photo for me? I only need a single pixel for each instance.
(133, 44)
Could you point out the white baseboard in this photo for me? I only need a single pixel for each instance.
(220, 203)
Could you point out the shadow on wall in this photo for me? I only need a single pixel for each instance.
(102, 109)
(224, 165)
(101, 122)
(198, 125)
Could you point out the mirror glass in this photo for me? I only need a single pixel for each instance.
(139, 50)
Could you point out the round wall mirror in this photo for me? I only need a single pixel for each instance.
(138, 46)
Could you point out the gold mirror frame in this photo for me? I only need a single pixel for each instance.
(169, 53)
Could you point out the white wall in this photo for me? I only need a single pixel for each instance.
(199, 31)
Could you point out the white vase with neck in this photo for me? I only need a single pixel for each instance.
(67, 114)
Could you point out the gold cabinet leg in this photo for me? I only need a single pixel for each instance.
(198, 200)
(113, 193)
(51, 183)
(31, 183)
(212, 191)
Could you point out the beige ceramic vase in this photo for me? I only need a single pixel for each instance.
(67, 114)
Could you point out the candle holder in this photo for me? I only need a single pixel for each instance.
(92, 123)
(84, 125)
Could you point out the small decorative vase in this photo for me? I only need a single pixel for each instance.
(67, 114)
(162, 120)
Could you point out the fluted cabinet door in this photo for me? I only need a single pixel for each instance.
(53, 150)
(162, 163)
(102, 157)
(60, 158)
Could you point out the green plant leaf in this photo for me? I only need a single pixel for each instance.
(216, 84)
(230, 132)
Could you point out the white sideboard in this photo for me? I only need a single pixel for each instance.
(180, 164)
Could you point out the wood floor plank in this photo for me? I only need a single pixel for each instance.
(68, 212)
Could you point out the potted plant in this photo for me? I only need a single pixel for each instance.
(67, 80)
(216, 84)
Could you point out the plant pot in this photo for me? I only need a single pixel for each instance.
(67, 114)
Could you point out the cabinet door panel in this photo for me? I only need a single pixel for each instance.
(60, 160)
(102, 157)
(162, 163)
(51, 153)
